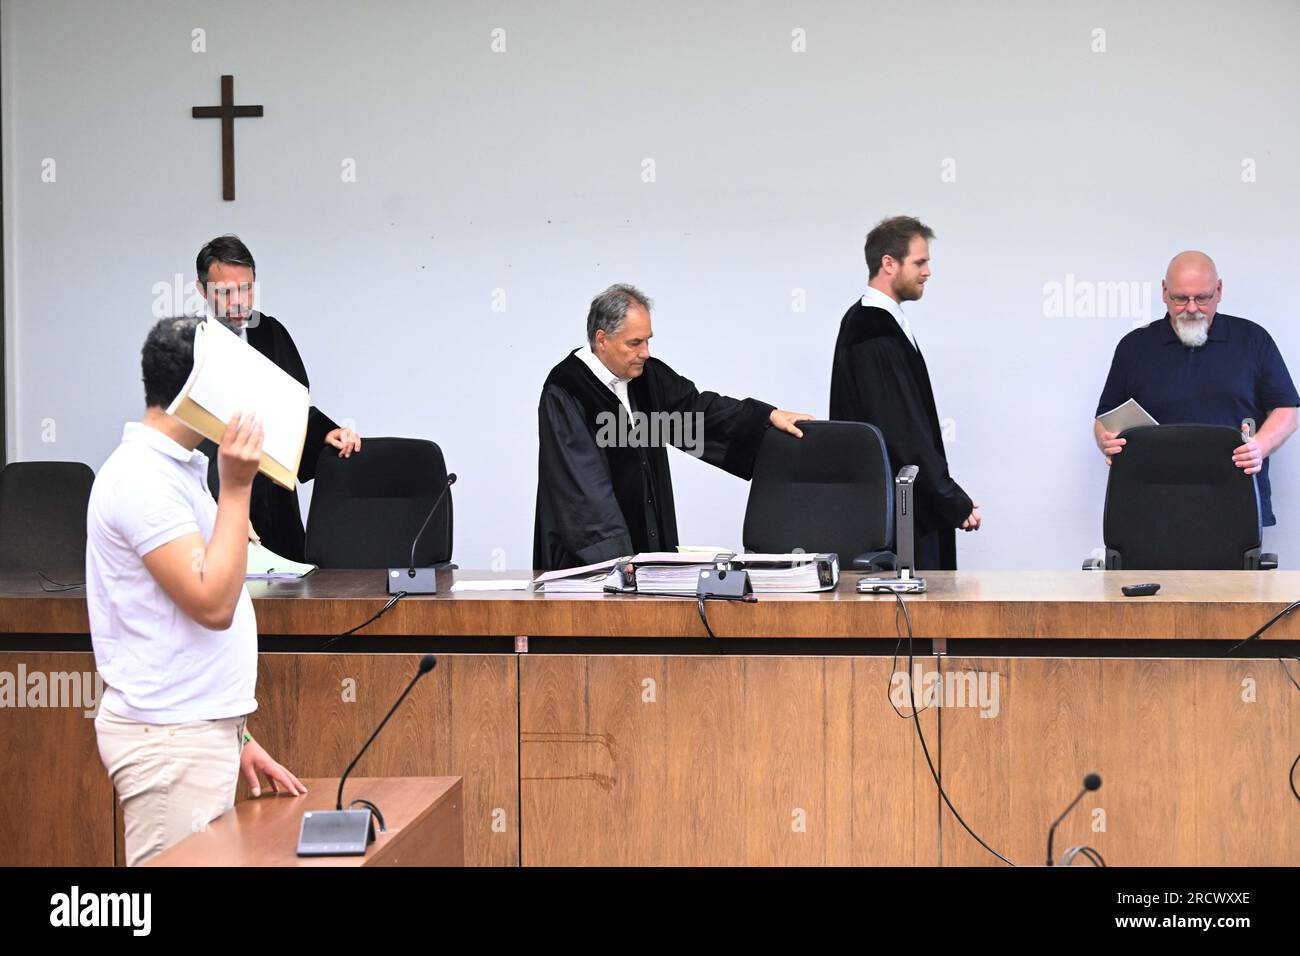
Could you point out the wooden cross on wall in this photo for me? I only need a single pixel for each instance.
(227, 112)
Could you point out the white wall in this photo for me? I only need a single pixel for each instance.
(522, 171)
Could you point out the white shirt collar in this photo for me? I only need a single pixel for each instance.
(874, 298)
(139, 431)
(598, 368)
(613, 382)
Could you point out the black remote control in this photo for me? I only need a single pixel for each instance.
(1140, 590)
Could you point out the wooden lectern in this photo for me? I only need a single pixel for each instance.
(423, 816)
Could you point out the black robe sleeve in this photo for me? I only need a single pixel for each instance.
(897, 408)
(318, 423)
(575, 484)
(732, 428)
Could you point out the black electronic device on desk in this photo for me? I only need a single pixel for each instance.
(1140, 590)
(904, 580)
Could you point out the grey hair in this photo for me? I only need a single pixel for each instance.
(609, 309)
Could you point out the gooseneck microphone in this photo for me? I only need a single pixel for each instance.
(413, 580)
(1090, 783)
(451, 480)
(427, 663)
(340, 832)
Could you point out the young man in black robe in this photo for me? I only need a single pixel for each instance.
(606, 416)
(226, 273)
(879, 377)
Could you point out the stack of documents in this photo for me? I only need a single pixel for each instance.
(668, 572)
(588, 579)
(678, 573)
(790, 573)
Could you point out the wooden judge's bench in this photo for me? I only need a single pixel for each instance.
(612, 730)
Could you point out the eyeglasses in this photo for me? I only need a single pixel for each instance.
(1205, 298)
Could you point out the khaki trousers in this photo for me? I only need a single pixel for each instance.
(171, 779)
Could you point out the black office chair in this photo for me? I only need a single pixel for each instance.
(830, 491)
(1176, 502)
(43, 516)
(366, 509)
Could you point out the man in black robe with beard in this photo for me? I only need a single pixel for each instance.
(606, 415)
(879, 377)
(226, 274)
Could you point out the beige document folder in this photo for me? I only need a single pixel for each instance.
(230, 376)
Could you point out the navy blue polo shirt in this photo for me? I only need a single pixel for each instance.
(1237, 374)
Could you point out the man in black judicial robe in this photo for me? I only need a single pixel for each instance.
(606, 415)
(226, 273)
(879, 377)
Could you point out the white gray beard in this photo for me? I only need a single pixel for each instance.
(1192, 329)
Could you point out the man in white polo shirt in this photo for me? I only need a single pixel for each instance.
(171, 623)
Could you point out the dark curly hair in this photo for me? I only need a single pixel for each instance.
(167, 359)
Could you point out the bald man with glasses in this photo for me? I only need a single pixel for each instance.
(1198, 365)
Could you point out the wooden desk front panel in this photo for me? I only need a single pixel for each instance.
(648, 760)
(59, 799)
(1194, 771)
